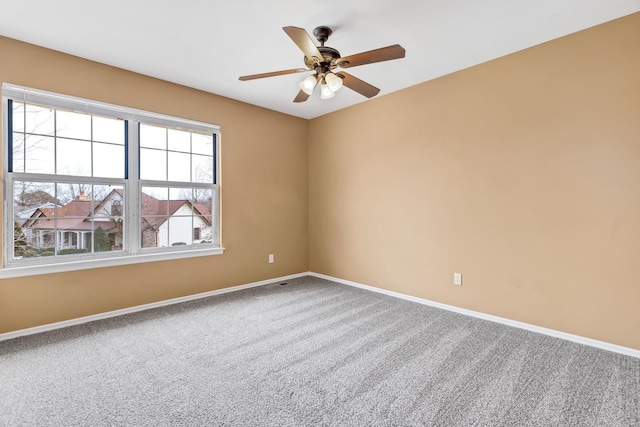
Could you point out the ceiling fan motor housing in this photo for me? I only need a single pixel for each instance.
(329, 55)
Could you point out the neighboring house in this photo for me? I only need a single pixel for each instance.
(70, 226)
(172, 222)
(23, 215)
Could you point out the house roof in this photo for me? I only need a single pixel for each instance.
(75, 215)
(155, 211)
(72, 216)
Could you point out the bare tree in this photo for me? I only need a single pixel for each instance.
(32, 194)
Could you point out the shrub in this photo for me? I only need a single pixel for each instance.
(20, 246)
(72, 251)
(101, 241)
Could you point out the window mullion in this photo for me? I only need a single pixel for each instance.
(216, 230)
(7, 190)
(133, 188)
(9, 215)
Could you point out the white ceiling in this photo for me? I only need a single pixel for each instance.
(208, 44)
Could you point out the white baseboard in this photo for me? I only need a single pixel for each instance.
(551, 332)
(114, 313)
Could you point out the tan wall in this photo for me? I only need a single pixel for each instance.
(264, 185)
(522, 173)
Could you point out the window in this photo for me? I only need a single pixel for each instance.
(87, 181)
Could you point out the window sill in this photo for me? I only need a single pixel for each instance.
(37, 269)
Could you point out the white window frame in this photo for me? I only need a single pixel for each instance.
(133, 252)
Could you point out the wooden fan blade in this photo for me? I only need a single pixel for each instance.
(301, 38)
(360, 86)
(378, 55)
(273, 73)
(301, 97)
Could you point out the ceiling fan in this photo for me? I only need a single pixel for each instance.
(323, 60)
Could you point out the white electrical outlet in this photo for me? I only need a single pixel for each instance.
(271, 259)
(457, 279)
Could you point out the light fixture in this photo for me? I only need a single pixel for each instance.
(325, 91)
(334, 82)
(308, 84)
(329, 84)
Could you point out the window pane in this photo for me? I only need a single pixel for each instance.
(18, 116)
(76, 207)
(108, 160)
(156, 196)
(104, 237)
(202, 168)
(41, 240)
(202, 144)
(179, 195)
(155, 208)
(207, 229)
(202, 222)
(191, 215)
(108, 130)
(180, 230)
(29, 196)
(67, 192)
(109, 204)
(202, 200)
(176, 220)
(73, 220)
(180, 211)
(153, 137)
(73, 125)
(179, 166)
(180, 222)
(39, 157)
(73, 157)
(203, 208)
(39, 120)
(18, 152)
(33, 203)
(108, 218)
(155, 232)
(73, 242)
(22, 241)
(179, 140)
(153, 164)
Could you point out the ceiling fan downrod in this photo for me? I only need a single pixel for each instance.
(322, 34)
